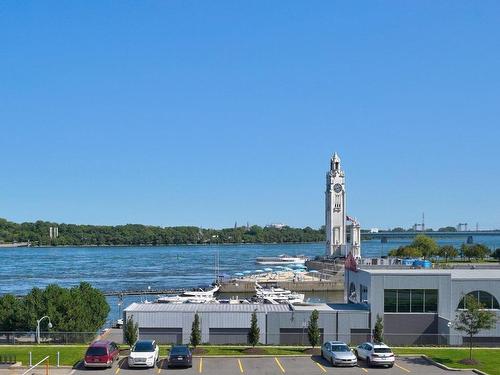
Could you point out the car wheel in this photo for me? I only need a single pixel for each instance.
(322, 354)
(368, 362)
(332, 361)
(391, 365)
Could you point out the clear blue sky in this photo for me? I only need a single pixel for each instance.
(206, 113)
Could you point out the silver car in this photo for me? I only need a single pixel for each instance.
(338, 354)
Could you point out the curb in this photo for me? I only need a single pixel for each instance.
(253, 355)
(444, 367)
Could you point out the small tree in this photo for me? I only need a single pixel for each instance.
(447, 251)
(195, 331)
(426, 245)
(473, 319)
(496, 254)
(378, 330)
(254, 333)
(313, 332)
(131, 331)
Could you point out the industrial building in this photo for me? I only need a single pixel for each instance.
(419, 306)
(230, 323)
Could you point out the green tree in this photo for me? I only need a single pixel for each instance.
(10, 314)
(406, 252)
(254, 332)
(426, 245)
(313, 332)
(477, 251)
(473, 319)
(481, 251)
(378, 330)
(447, 229)
(496, 254)
(195, 331)
(131, 331)
(447, 251)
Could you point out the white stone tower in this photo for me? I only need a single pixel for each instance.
(335, 210)
(336, 217)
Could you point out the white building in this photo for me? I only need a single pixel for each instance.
(336, 217)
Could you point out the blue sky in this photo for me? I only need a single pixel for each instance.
(207, 113)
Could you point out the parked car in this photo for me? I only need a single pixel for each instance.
(375, 354)
(180, 355)
(144, 353)
(338, 353)
(101, 353)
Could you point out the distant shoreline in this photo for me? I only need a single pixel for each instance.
(2, 246)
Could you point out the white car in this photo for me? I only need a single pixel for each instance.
(338, 354)
(375, 354)
(144, 353)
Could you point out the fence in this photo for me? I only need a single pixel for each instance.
(240, 337)
(300, 338)
(47, 337)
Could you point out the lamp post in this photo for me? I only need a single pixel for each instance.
(38, 327)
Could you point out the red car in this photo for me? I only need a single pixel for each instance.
(101, 353)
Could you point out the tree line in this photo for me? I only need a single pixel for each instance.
(426, 247)
(37, 234)
(78, 309)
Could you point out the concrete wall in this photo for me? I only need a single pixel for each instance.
(208, 320)
(336, 325)
(411, 329)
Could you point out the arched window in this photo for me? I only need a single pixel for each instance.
(485, 298)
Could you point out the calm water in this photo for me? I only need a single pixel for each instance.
(122, 268)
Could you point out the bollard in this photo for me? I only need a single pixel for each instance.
(31, 358)
(57, 359)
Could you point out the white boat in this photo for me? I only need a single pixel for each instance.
(278, 295)
(191, 296)
(281, 259)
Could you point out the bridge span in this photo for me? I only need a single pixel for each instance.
(467, 235)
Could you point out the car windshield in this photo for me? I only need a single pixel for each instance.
(143, 347)
(382, 350)
(340, 348)
(179, 350)
(96, 350)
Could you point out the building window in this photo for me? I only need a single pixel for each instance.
(390, 300)
(417, 300)
(404, 300)
(411, 300)
(431, 301)
(363, 290)
(485, 298)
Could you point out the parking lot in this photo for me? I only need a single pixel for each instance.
(269, 366)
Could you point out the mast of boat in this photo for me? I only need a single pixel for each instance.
(216, 266)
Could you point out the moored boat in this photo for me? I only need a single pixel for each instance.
(281, 259)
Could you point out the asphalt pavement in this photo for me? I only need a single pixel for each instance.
(252, 366)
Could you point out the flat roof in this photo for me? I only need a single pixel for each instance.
(312, 307)
(204, 307)
(350, 306)
(462, 273)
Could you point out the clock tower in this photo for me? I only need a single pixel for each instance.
(335, 210)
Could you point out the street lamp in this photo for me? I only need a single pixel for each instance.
(38, 327)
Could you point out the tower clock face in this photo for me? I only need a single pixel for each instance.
(337, 188)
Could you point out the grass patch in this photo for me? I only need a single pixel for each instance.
(69, 354)
(489, 358)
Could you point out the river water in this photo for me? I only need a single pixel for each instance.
(187, 266)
